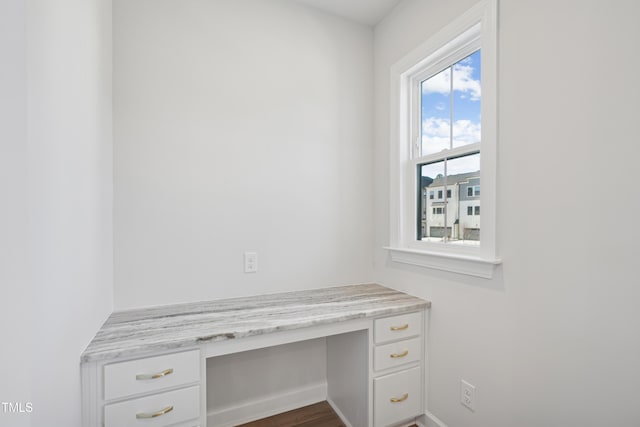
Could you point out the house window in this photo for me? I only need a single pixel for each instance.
(431, 195)
(448, 110)
(469, 210)
(438, 211)
(444, 134)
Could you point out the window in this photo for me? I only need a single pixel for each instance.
(443, 136)
(431, 195)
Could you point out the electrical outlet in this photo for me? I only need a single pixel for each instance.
(250, 262)
(468, 395)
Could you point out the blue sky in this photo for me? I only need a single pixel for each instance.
(436, 111)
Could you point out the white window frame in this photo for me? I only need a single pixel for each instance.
(475, 29)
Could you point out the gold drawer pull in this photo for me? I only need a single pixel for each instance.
(155, 414)
(399, 355)
(400, 328)
(154, 376)
(399, 399)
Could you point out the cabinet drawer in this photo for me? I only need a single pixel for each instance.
(397, 327)
(169, 408)
(397, 397)
(397, 354)
(151, 374)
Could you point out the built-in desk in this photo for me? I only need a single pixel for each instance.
(148, 367)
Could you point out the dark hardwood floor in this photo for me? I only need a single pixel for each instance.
(317, 415)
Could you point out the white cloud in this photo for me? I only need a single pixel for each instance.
(436, 134)
(466, 132)
(463, 81)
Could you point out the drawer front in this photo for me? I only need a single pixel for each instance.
(397, 354)
(397, 327)
(151, 374)
(169, 408)
(397, 397)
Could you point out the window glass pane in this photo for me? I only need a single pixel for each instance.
(466, 100)
(436, 112)
(432, 215)
(463, 174)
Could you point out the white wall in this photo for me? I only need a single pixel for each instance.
(291, 367)
(552, 340)
(15, 310)
(239, 126)
(69, 195)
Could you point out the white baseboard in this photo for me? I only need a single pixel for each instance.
(339, 412)
(432, 421)
(274, 404)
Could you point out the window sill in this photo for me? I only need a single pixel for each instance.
(461, 264)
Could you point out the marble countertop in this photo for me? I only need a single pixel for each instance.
(141, 331)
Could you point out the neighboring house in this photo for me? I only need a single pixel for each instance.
(455, 202)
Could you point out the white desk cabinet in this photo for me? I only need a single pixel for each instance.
(148, 367)
(168, 408)
(151, 374)
(398, 380)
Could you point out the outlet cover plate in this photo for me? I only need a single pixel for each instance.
(468, 395)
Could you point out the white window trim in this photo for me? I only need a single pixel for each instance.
(475, 28)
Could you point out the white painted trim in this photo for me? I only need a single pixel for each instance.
(433, 421)
(339, 412)
(461, 264)
(260, 408)
(447, 43)
(90, 389)
(408, 423)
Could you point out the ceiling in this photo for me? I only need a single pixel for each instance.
(368, 12)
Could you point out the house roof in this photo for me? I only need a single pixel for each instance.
(451, 179)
